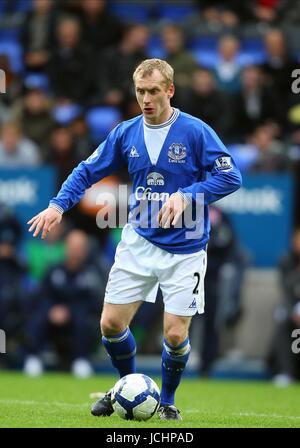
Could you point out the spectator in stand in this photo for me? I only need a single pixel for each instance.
(234, 13)
(13, 82)
(289, 12)
(38, 35)
(279, 65)
(285, 364)
(100, 29)
(116, 65)
(69, 7)
(223, 282)
(294, 148)
(177, 56)
(4, 114)
(61, 153)
(271, 153)
(294, 158)
(16, 151)
(205, 101)
(227, 68)
(33, 113)
(70, 67)
(64, 313)
(14, 285)
(224, 15)
(266, 11)
(42, 254)
(292, 113)
(255, 104)
(81, 137)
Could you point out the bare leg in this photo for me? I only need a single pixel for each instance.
(115, 318)
(117, 337)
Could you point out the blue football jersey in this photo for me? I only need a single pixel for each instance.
(192, 160)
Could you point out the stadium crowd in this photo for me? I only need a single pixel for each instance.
(68, 67)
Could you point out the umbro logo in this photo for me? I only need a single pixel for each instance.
(134, 152)
(193, 304)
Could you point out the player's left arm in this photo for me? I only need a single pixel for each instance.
(225, 179)
(225, 176)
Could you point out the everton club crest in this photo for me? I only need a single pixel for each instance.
(177, 153)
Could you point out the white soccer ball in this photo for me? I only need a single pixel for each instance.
(135, 397)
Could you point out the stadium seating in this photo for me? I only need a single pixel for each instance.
(23, 5)
(175, 11)
(155, 48)
(14, 51)
(205, 50)
(14, 6)
(130, 12)
(37, 81)
(101, 120)
(9, 35)
(65, 113)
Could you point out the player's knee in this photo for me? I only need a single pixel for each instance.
(175, 337)
(111, 326)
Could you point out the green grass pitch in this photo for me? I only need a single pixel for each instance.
(59, 400)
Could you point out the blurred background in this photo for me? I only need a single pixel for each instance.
(66, 81)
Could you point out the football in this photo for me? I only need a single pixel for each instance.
(135, 397)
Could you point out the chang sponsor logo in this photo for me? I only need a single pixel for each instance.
(144, 205)
(142, 194)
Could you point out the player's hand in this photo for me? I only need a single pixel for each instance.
(171, 211)
(44, 222)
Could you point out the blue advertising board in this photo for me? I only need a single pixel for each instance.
(27, 191)
(261, 211)
(262, 214)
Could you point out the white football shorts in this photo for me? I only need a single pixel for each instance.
(140, 267)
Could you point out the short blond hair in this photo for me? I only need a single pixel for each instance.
(149, 65)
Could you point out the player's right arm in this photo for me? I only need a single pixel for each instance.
(105, 160)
